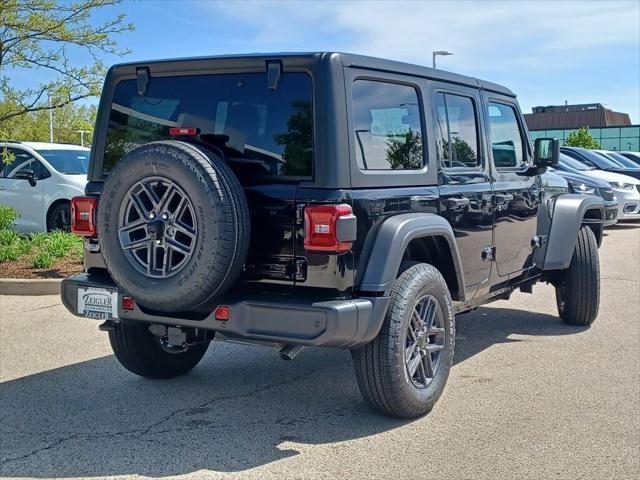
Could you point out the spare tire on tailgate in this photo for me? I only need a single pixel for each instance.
(173, 225)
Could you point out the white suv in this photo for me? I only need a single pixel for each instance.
(41, 181)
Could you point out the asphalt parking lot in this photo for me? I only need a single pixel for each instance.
(528, 397)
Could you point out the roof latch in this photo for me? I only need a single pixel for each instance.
(143, 78)
(274, 72)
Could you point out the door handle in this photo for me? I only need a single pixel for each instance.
(456, 203)
(501, 199)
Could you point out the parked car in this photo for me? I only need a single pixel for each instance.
(602, 162)
(586, 185)
(633, 156)
(626, 189)
(40, 183)
(289, 200)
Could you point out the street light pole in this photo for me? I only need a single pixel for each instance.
(439, 52)
(51, 125)
(82, 132)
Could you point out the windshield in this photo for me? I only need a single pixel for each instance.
(573, 164)
(71, 162)
(621, 159)
(262, 131)
(600, 161)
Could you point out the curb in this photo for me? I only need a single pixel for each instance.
(24, 286)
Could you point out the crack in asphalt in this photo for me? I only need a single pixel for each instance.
(39, 308)
(628, 280)
(137, 433)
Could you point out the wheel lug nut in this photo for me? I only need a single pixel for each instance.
(165, 216)
(152, 215)
(158, 242)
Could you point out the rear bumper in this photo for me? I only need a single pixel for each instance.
(279, 319)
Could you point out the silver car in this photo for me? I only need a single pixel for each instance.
(626, 188)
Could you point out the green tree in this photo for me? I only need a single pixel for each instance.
(42, 35)
(582, 138)
(67, 120)
(405, 154)
(298, 139)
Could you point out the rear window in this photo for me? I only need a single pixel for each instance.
(262, 132)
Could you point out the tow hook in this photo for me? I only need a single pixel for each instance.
(107, 326)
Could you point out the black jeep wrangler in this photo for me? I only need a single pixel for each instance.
(319, 199)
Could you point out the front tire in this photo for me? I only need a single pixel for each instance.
(403, 371)
(142, 353)
(578, 286)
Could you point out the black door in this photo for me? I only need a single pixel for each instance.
(516, 196)
(464, 180)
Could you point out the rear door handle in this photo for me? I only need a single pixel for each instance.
(456, 203)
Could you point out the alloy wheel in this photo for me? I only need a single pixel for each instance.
(425, 341)
(157, 227)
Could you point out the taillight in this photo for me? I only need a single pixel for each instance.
(329, 228)
(83, 216)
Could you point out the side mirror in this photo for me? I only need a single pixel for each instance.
(26, 174)
(546, 152)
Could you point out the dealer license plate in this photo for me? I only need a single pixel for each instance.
(98, 303)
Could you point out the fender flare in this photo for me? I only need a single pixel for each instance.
(568, 216)
(392, 239)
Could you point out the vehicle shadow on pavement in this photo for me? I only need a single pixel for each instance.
(242, 407)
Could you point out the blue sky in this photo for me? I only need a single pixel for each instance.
(547, 52)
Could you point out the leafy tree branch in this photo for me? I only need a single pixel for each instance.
(42, 35)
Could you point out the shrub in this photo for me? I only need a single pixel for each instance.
(7, 216)
(43, 248)
(42, 259)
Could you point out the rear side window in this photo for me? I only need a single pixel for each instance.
(388, 129)
(456, 131)
(506, 137)
(262, 132)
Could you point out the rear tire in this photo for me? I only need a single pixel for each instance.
(383, 373)
(59, 218)
(140, 352)
(578, 287)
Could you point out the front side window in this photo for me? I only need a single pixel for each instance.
(506, 137)
(25, 161)
(263, 132)
(388, 129)
(456, 131)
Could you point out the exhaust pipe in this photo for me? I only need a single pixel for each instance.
(289, 352)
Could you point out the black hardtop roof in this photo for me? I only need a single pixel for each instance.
(353, 60)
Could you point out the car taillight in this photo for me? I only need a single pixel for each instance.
(83, 216)
(329, 228)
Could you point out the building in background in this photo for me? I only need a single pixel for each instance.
(612, 130)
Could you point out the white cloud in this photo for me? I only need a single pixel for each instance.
(478, 32)
(513, 42)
